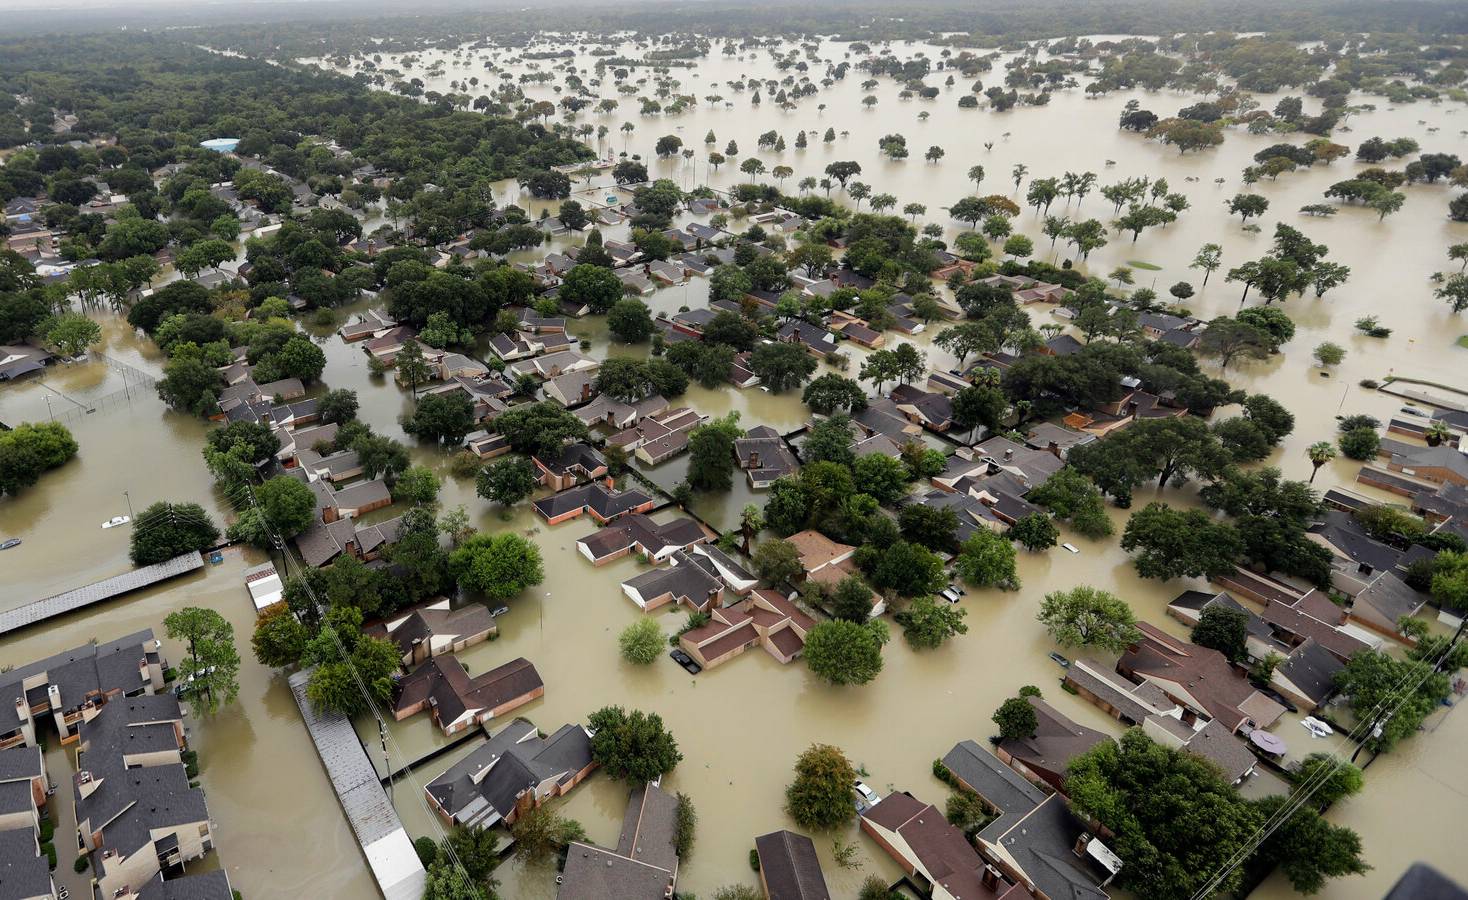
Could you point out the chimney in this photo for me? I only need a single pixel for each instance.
(754, 459)
(1083, 840)
(1009, 454)
(586, 390)
(991, 878)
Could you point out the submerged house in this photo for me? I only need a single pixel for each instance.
(434, 629)
(458, 701)
(73, 686)
(697, 577)
(764, 617)
(637, 533)
(644, 865)
(515, 770)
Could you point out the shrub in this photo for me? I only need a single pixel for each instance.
(427, 849)
(641, 642)
(81, 865)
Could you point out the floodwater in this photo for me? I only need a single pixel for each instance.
(741, 726)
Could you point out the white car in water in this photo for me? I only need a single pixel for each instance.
(116, 521)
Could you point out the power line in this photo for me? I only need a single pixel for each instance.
(1367, 727)
(371, 703)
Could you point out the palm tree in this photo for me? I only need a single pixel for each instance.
(1320, 453)
(751, 523)
(1019, 172)
(1437, 432)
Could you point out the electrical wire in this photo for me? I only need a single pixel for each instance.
(1394, 699)
(371, 703)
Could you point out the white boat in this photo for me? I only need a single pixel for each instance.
(1316, 727)
(116, 521)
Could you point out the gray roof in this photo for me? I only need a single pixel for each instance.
(790, 868)
(130, 725)
(595, 873)
(23, 872)
(1312, 669)
(130, 804)
(516, 759)
(1043, 843)
(84, 670)
(204, 886)
(649, 826)
(18, 763)
(1215, 743)
(999, 785)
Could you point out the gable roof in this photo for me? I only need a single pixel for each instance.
(1056, 741)
(789, 867)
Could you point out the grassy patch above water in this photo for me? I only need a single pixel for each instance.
(1463, 341)
(1138, 264)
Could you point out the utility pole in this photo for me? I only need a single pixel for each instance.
(129, 504)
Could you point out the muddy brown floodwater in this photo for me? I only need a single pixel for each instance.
(281, 833)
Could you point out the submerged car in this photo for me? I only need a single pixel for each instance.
(687, 662)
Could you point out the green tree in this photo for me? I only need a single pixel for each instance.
(1085, 616)
(72, 333)
(337, 407)
(442, 418)
(1174, 543)
(1016, 719)
(926, 623)
(540, 833)
(165, 530)
(190, 385)
(641, 642)
(987, 559)
(830, 393)
(711, 453)
(1176, 821)
(842, 652)
(595, 286)
(1360, 444)
(540, 429)
(820, 797)
(1332, 779)
(413, 369)
(1223, 629)
(288, 504)
(212, 668)
(630, 321)
(910, 570)
(506, 482)
(497, 565)
(632, 746)
(418, 485)
(1308, 849)
(851, 600)
(279, 638)
(777, 561)
(781, 366)
(1035, 532)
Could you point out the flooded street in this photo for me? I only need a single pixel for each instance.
(739, 727)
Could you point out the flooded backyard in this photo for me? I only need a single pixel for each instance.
(739, 727)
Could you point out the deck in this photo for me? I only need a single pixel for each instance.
(39, 611)
(385, 844)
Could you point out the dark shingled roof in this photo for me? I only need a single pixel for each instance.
(23, 872)
(444, 681)
(790, 868)
(204, 886)
(1311, 668)
(516, 759)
